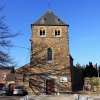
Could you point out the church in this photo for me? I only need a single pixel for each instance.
(51, 62)
(50, 69)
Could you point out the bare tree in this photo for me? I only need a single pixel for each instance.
(5, 40)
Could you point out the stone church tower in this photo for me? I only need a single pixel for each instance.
(50, 56)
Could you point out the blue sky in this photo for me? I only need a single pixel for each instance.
(83, 17)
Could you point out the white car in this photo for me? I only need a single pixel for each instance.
(19, 91)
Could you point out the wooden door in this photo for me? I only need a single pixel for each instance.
(50, 86)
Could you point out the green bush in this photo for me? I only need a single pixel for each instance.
(94, 81)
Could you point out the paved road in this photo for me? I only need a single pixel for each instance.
(10, 97)
(51, 97)
(42, 98)
(96, 99)
(62, 97)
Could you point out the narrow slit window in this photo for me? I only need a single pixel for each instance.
(58, 32)
(43, 32)
(25, 78)
(40, 32)
(49, 54)
(55, 32)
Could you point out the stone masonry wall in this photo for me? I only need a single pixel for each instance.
(60, 52)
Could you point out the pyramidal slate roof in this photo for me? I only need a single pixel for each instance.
(49, 18)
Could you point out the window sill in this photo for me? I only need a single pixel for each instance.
(42, 36)
(49, 62)
(57, 36)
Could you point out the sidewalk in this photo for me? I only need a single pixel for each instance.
(51, 97)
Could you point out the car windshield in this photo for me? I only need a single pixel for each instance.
(5, 89)
(19, 87)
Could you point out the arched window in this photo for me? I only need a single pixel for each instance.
(57, 32)
(42, 32)
(49, 54)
